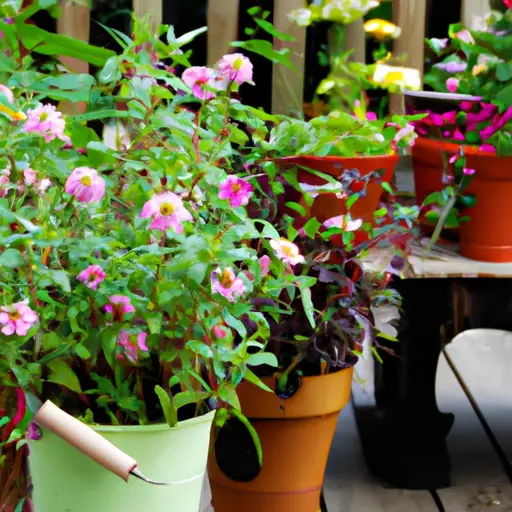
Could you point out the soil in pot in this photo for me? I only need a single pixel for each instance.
(65, 480)
(295, 436)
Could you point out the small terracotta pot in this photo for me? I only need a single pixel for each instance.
(327, 205)
(487, 236)
(295, 436)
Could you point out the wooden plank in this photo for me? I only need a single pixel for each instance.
(410, 16)
(478, 477)
(151, 8)
(356, 40)
(473, 14)
(288, 85)
(74, 22)
(349, 487)
(222, 27)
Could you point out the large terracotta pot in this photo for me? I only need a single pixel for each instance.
(487, 236)
(328, 205)
(295, 436)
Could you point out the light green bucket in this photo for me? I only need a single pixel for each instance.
(65, 480)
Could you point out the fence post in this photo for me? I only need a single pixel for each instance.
(356, 40)
(222, 27)
(473, 13)
(288, 85)
(152, 7)
(410, 16)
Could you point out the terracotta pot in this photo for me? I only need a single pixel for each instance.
(487, 236)
(327, 205)
(295, 436)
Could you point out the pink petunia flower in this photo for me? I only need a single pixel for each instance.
(46, 121)
(131, 347)
(407, 134)
(203, 81)
(452, 66)
(236, 67)
(7, 93)
(287, 251)
(468, 172)
(29, 176)
(465, 36)
(452, 84)
(42, 186)
(236, 190)
(86, 185)
(167, 211)
(227, 284)
(119, 306)
(343, 222)
(17, 318)
(4, 180)
(220, 332)
(92, 276)
(488, 148)
(264, 265)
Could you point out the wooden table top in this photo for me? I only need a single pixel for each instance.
(442, 261)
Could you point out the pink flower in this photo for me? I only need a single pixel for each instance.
(92, 276)
(453, 158)
(371, 116)
(4, 180)
(227, 284)
(344, 223)
(452, 66)
(465, 36)
(203, 82)
(287, 251)
(46, 121)
(17, 318)
(29, 176)
(468, 172)
(86, 185)
(488, 148)
(130, 347)
(43, 185)
(508, 3)
(236, 190)
(264, 265)
(119, 306)
(452, 84)
(33, 432)
(167, 211)
(442, 43)
(407, 133)
(7, 93)
(236, 67)
(220, 332)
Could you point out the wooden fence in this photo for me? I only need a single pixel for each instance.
(410, 15)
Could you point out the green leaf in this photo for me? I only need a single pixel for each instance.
(19, 506)
(311, 227)
(351, 200)
(252, 432)
(268, 27)
(154, 321)
(190, 36)
(190, 397)
(168, 407)
(12, 258)
(266, 49)
(504, 71)
(254, 379)
(60, 278)
(61, 373)
(505, 95)
(227, 393)
(201, 348)
(263, 358)
(307, 303)
(268, 231)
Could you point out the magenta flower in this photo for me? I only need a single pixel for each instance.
(236, 190)
(452, 66)
(86, 185)
(203, 82)
(219, 332)
(7, 93)
(488, 148)
(131, 347)
(46, 121)
(227, 284)
(236, 67)
(17, 318)
(92, 276)
(452, 84)
(468, 172)
(508, 3)
(119, 306)
(287, 251)
(167, 211)
(497, 124)
(33, 432)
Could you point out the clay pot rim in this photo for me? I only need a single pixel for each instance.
(453, 147)
(448, 96)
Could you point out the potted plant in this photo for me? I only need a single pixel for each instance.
(469, 116)
(324, 149)
(328, 325)
(128, 267)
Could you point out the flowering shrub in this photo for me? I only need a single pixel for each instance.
(475, 63)
(339, 11)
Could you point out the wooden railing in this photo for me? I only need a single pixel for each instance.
(287, 85)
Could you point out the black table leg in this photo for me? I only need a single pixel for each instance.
(404, 436)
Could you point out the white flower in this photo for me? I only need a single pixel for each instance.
(404, 78)
(379, 137)
(302, 17)
(287, 251)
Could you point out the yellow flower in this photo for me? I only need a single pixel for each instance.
(397, 76)
(382, 29)
(13, 114)
(479, 68)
